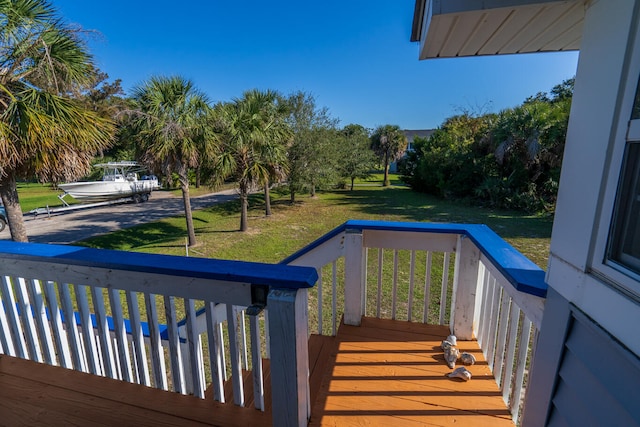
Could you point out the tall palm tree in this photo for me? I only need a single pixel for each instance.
(254, 135)
(171, 125)
(42, 132)
(389, 143)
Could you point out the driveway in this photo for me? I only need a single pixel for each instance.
(72, 226)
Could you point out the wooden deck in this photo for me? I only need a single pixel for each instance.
(385, 372)
(391, 373)
(35, 394)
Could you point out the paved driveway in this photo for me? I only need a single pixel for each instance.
(69, 227)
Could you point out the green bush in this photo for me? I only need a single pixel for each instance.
(508, 160)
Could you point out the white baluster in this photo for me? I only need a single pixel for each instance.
(175, 350)
(443, 289)
(427, 288)
(155, 343)
(122, 342)
(234, 350)
(19, 344)
(28, 321)
(379, 297)
(104, 334)
(394, 290)
(216, 353)
(73, 336)
(139, 349)
(412, 272)
(194, 352)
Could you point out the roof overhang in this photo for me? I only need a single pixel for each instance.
(452, 28)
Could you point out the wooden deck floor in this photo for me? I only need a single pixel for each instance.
(34, 394)
(385, 372)
(391, 373)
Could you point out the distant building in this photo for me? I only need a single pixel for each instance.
(411, 135)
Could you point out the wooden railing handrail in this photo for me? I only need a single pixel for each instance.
(521, 272)
(227, 271)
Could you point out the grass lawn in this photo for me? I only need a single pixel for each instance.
(291, 227)
(36, 195)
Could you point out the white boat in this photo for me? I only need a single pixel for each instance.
(119, 180)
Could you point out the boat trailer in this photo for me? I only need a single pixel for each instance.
(137, 198)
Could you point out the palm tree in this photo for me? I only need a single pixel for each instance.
(42, 132)
(172, 130)
(253, 152)
(389, 143)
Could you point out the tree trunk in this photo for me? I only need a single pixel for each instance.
(385, 182)
(244, 203)
(267, 200)
(313, 190)
(198, 178)
(293, 196)
(9, 195)
(352, 181)
(184, 186)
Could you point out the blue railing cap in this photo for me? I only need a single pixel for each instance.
(276, 275)
(522, 273)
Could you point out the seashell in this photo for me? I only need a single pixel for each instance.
(468, 358)
(446, 344)
(451, 354)
(451, 341)
(460, 372)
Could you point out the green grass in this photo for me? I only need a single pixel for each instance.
(291, 227)
(35, 195)
(202, 190)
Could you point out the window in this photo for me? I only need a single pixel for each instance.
(624, 235)
(625, 231)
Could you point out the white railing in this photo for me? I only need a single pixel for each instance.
(464, 276)
(172, 323)
(180, 323)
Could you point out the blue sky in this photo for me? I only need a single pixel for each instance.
(354, 56)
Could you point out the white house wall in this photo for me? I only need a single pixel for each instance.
(605, 78)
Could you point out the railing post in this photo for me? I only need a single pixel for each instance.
(465, 285)
(354, 277)
(288, 327)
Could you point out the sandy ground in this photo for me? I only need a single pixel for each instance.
(69, 227)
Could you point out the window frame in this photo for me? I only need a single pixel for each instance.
(626, 131)
(627, 191)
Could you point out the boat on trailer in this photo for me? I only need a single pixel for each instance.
(119, 180)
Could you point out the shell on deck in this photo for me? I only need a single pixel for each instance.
(451, 341)
(468, 358)
(451, 354)
(460, 372)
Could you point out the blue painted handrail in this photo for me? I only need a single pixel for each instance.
(519, 270)
(275, 275)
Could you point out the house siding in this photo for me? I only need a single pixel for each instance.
(597, 379)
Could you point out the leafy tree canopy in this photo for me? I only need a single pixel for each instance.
(43, 131)
(510, 160)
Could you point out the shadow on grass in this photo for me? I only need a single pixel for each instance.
(256, 205)
(155, 233)
(402, 204)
